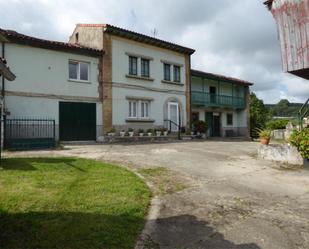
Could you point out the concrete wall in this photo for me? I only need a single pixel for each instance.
(42, 81)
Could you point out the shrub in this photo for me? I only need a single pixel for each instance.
(140, 131)
(300, 139)
(113, 130)
(200, 126)
(150, 130)
(263, 133)
(277, 124)
(130, 130)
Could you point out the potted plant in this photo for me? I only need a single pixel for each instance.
(264, 136)
(164, 131)
(149, 132)
(158, 132)
(122, 133)
(112, 132)
(200, 127)
(141, 132)
(131, 132)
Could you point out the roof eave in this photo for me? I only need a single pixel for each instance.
(218, 77)
(146, 39)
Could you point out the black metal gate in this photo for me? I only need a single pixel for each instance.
(25, 133)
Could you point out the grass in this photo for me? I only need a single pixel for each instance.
(163, 180)
(69, 203)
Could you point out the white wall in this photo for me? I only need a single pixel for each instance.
(141, 88)
(121, 63)
(121, 109)
(46, 71)
(41, 71)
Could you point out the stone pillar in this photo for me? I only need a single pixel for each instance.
(107, 84)
(188, 89)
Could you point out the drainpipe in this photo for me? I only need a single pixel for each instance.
(190, 93)
(3, 80)
(2, 114)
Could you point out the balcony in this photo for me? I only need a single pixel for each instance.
(203, 99)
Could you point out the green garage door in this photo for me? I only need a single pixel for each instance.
(77, 121)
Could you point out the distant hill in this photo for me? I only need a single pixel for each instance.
(284, 108)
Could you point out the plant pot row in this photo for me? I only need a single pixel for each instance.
(131, 134)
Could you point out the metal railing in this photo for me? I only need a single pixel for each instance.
(170, 125)
(302, 113)
(26, 133)
(215, 100)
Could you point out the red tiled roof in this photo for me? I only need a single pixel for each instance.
(220, 77)
(107, 28)
(19, 38)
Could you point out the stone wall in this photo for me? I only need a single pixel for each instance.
(283, 153)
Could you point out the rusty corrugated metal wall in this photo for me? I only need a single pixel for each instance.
(292, 17)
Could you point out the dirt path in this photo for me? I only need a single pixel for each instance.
(222, 196)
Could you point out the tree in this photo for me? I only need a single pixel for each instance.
(258, 114)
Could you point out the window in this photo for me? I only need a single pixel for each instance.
(132, 109)
(176, 73)
(144, 67)
(145, 109)
(78, 71)
(229, 118)
(132, 65)
(167, 72)
(139, 109)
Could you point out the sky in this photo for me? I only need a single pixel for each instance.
(236, 38)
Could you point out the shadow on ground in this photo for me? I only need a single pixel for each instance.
(84, 230)
(187, 232)
(28, 164)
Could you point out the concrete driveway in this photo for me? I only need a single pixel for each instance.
(232, 199)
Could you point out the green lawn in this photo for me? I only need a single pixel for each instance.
(69, 203)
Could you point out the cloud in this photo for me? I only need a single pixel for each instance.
(232, 37)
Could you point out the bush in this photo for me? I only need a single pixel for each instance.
(300, 139)
(140, 131)
(200, 126)
(277, 124)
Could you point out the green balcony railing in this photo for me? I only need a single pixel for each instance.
(214, 100)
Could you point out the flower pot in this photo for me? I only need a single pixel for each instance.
(192, 133)
(149, 134)
(165, 133)
(158, 133)
(264, 141)
(122, 133)
(111, 134)
(131, 133)
(141, 134)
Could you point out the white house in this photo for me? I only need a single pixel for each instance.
(54, 80)
(146, 81)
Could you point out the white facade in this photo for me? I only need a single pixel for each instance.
(42, 81)
(153, 90)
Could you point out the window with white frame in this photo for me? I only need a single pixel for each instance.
(139, 109)
(79, 70)
(229, 118)
(132, 109)
(144, 109)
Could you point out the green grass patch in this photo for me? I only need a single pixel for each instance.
(163, 180)
(69, 203)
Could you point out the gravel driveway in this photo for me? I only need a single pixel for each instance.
(232, 199)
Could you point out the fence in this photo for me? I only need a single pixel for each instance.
(25, 133)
